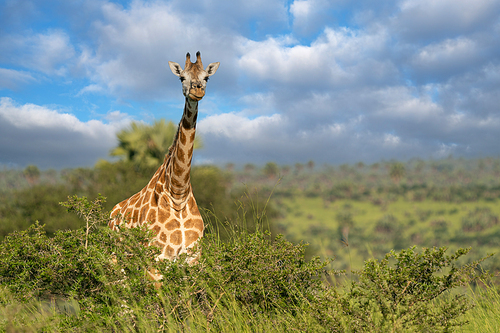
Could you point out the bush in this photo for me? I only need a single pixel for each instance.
(105, 272)
(404, 296)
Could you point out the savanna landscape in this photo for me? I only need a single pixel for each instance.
(387, 247)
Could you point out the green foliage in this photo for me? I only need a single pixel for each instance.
(146, 145)
(397, 171)
(259, 271)
(91, 212)
(252, 282)
(32, 174)
(401, 297)
(271, 170)
(210, 185)
(479, 220)
(22, 208)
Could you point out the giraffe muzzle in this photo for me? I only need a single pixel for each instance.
(196, 93)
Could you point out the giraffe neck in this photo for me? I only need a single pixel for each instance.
(181, 155)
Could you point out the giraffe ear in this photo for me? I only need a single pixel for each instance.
(175, 67)
(212, 68)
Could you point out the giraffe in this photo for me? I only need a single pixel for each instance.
(167, 203)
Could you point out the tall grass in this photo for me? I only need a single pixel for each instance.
(485, 316)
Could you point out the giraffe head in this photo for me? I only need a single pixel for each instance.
(193, 77)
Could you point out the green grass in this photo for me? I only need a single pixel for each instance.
(422, 223)
(485, 316)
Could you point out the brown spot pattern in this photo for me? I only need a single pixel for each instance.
(198, 224)
(161, 179)
(178, 170)
(138, 204)
(156, 229)
(163, 215)
(147, 196)
(154, 200)
(134, 199)
(151, 215)
(176, 237)
(169, 251)
(164, 202)
(183, 138)
(135, 216)
(163, 237)
(172, 225)
(180, 155)
(176, 182)
(191, 237)
(127, 214)
(189, 224)
(194, 210)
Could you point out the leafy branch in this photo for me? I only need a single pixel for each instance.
(91, 211)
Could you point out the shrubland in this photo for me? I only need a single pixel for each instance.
(94, 279)
(360, 219)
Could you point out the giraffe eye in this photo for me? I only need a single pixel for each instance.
(206, 79)
(182, 79)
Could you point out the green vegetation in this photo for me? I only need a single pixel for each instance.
(384, 224)
(94, 279)
(146, 145)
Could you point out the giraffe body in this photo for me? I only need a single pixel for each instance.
(167, 203)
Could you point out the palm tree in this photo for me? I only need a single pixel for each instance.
(32, 174)
(397, 171)
(146, 145)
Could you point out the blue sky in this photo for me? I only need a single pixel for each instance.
(333, 81)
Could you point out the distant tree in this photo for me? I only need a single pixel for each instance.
(481, 165)
(32, 174)
(271, 169)
(298, 167)
(360, 165)
(310, 165)
(230, 167)
(420, 166)
(397, 171)
(249, 167)
(146, 145)
(285, 170)
(345, 168)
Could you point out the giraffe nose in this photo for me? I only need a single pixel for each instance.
(196, 85)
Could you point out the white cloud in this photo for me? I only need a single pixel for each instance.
(33, 134)
(311, 16)
(12, 79)
(301, 8)
(337, 58)
(303, 82)
(391, 140)
(48, 52)
(446, 51)
(237, 127)
(135, 45)
(436, 19)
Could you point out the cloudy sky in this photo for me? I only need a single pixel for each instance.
(334, 81)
